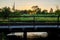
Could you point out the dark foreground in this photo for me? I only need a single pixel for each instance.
(53, 31)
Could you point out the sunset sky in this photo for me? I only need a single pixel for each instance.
(27, 4)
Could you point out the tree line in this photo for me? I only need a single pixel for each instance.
(6, 11)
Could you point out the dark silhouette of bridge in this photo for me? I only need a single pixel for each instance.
(52, 31)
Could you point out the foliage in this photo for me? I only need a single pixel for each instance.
(57, 12)
(5, 12)
(44, 12)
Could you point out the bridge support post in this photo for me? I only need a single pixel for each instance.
(25, 36)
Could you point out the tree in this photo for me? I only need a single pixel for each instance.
(16, 13)
(23, 11)
(5, 12)
(29, 11)
(0, 12)
(51, 10)
(57, 12)
(44, 11)
(36, 9)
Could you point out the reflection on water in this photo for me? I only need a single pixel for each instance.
(30, 34)
(37, 34)
(16, 34)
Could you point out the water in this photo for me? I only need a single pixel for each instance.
(31, 26)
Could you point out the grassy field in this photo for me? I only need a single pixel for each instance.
(45, 19)
(41, 19)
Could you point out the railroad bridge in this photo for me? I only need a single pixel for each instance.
(52, 28)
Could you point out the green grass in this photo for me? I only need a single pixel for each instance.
(39, 15)
(41, 19)
(44, 19)
(4, 22)
(21, 19)
(59, 19)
